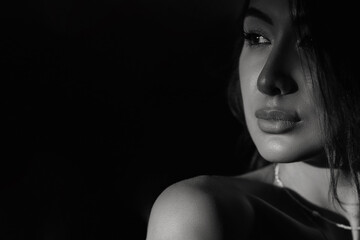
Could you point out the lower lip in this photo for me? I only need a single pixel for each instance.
(276, 126)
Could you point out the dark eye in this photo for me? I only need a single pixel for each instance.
(255, 39)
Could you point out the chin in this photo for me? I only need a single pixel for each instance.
(284, 150)
(277, 156)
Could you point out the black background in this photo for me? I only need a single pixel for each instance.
(105, 104)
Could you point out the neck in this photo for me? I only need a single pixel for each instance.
(313, 184)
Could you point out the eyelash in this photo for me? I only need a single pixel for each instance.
(252, 38)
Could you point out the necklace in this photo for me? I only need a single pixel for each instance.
(313, 212)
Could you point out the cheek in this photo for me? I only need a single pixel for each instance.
(250, 67)
(249, 70)
(251, 63)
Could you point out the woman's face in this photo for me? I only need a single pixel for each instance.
(278, 94)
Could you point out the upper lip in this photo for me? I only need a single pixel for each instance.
(277, 115)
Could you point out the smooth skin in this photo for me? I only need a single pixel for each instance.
(272, 75)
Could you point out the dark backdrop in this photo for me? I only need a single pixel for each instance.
(106, 103)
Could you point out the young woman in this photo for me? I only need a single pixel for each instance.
(297, 92)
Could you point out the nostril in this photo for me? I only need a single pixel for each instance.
(275, 91)
(267, 87)
(276, 85)
(290, 87)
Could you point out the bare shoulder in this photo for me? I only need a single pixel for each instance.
(200, 208)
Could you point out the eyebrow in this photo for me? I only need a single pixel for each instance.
(253, 12)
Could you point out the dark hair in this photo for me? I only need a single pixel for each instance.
(338, 84)
(336, 62)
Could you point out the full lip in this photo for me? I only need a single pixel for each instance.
(272, 114)
(276, 121)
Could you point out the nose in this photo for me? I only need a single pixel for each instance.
(277, 75)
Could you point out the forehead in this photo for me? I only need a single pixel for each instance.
(277, 10)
